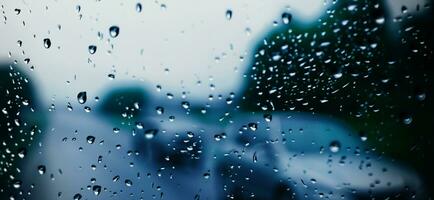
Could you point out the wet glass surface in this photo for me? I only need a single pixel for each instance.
(216, 99)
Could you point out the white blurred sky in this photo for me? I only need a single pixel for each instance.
(186, 38)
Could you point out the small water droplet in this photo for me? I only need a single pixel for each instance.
(406, 118)
(77, 196)
(253, 126)
(17, 184)
(268, 117)
(90, 139)
(128, 182)
(114, 31)
(206, 175)
(286, 18)
(92, 49)
(150, 133)
(96, 190)
(380, 20)
(160, 110)
(139, 7)
(41, 169)
(185, 104)
(335, 146)
(47, 43)
(228, 14)
(22, 152)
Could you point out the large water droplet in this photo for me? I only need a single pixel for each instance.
(82, 97)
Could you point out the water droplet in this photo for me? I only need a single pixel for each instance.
(41, 169)
(128, 182)
(96, 190)
(228, 14)
(406, 118)
(77, 196)
(160, 110)
(47, 43)
(253, 126)
(139, 7)
(150, 133)
(185, 104)
(82, 97)
(206, 175)
(218, 137)
(335, 146)
(22, 152)
(90, 139)
(286, 18)
(380, 20)
(92, 49)
(268, 117)
(114, 31)
(17, 184)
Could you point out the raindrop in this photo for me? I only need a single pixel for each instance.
(128, 182)
(253, 126)
(268, 117)
(92, 49)
(47, 43)
(185, 104)
(160, 110)
(228, 14)
(206, 175)
(380, 20)
(150, 133)
(406, 118)
(139, 7)
(82, 97)
(286, 18)
(41, 169)
(90, 139)
(22, 152)
(17, 184)
(96, 190)
(77, 196)
(114, 31)
(335, 146)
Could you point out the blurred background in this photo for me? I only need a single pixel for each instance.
(216, 99)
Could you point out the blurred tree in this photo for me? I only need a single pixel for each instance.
(355, 65)
(19, 126)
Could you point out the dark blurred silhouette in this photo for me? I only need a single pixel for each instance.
(360, 65)
(20, 125)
